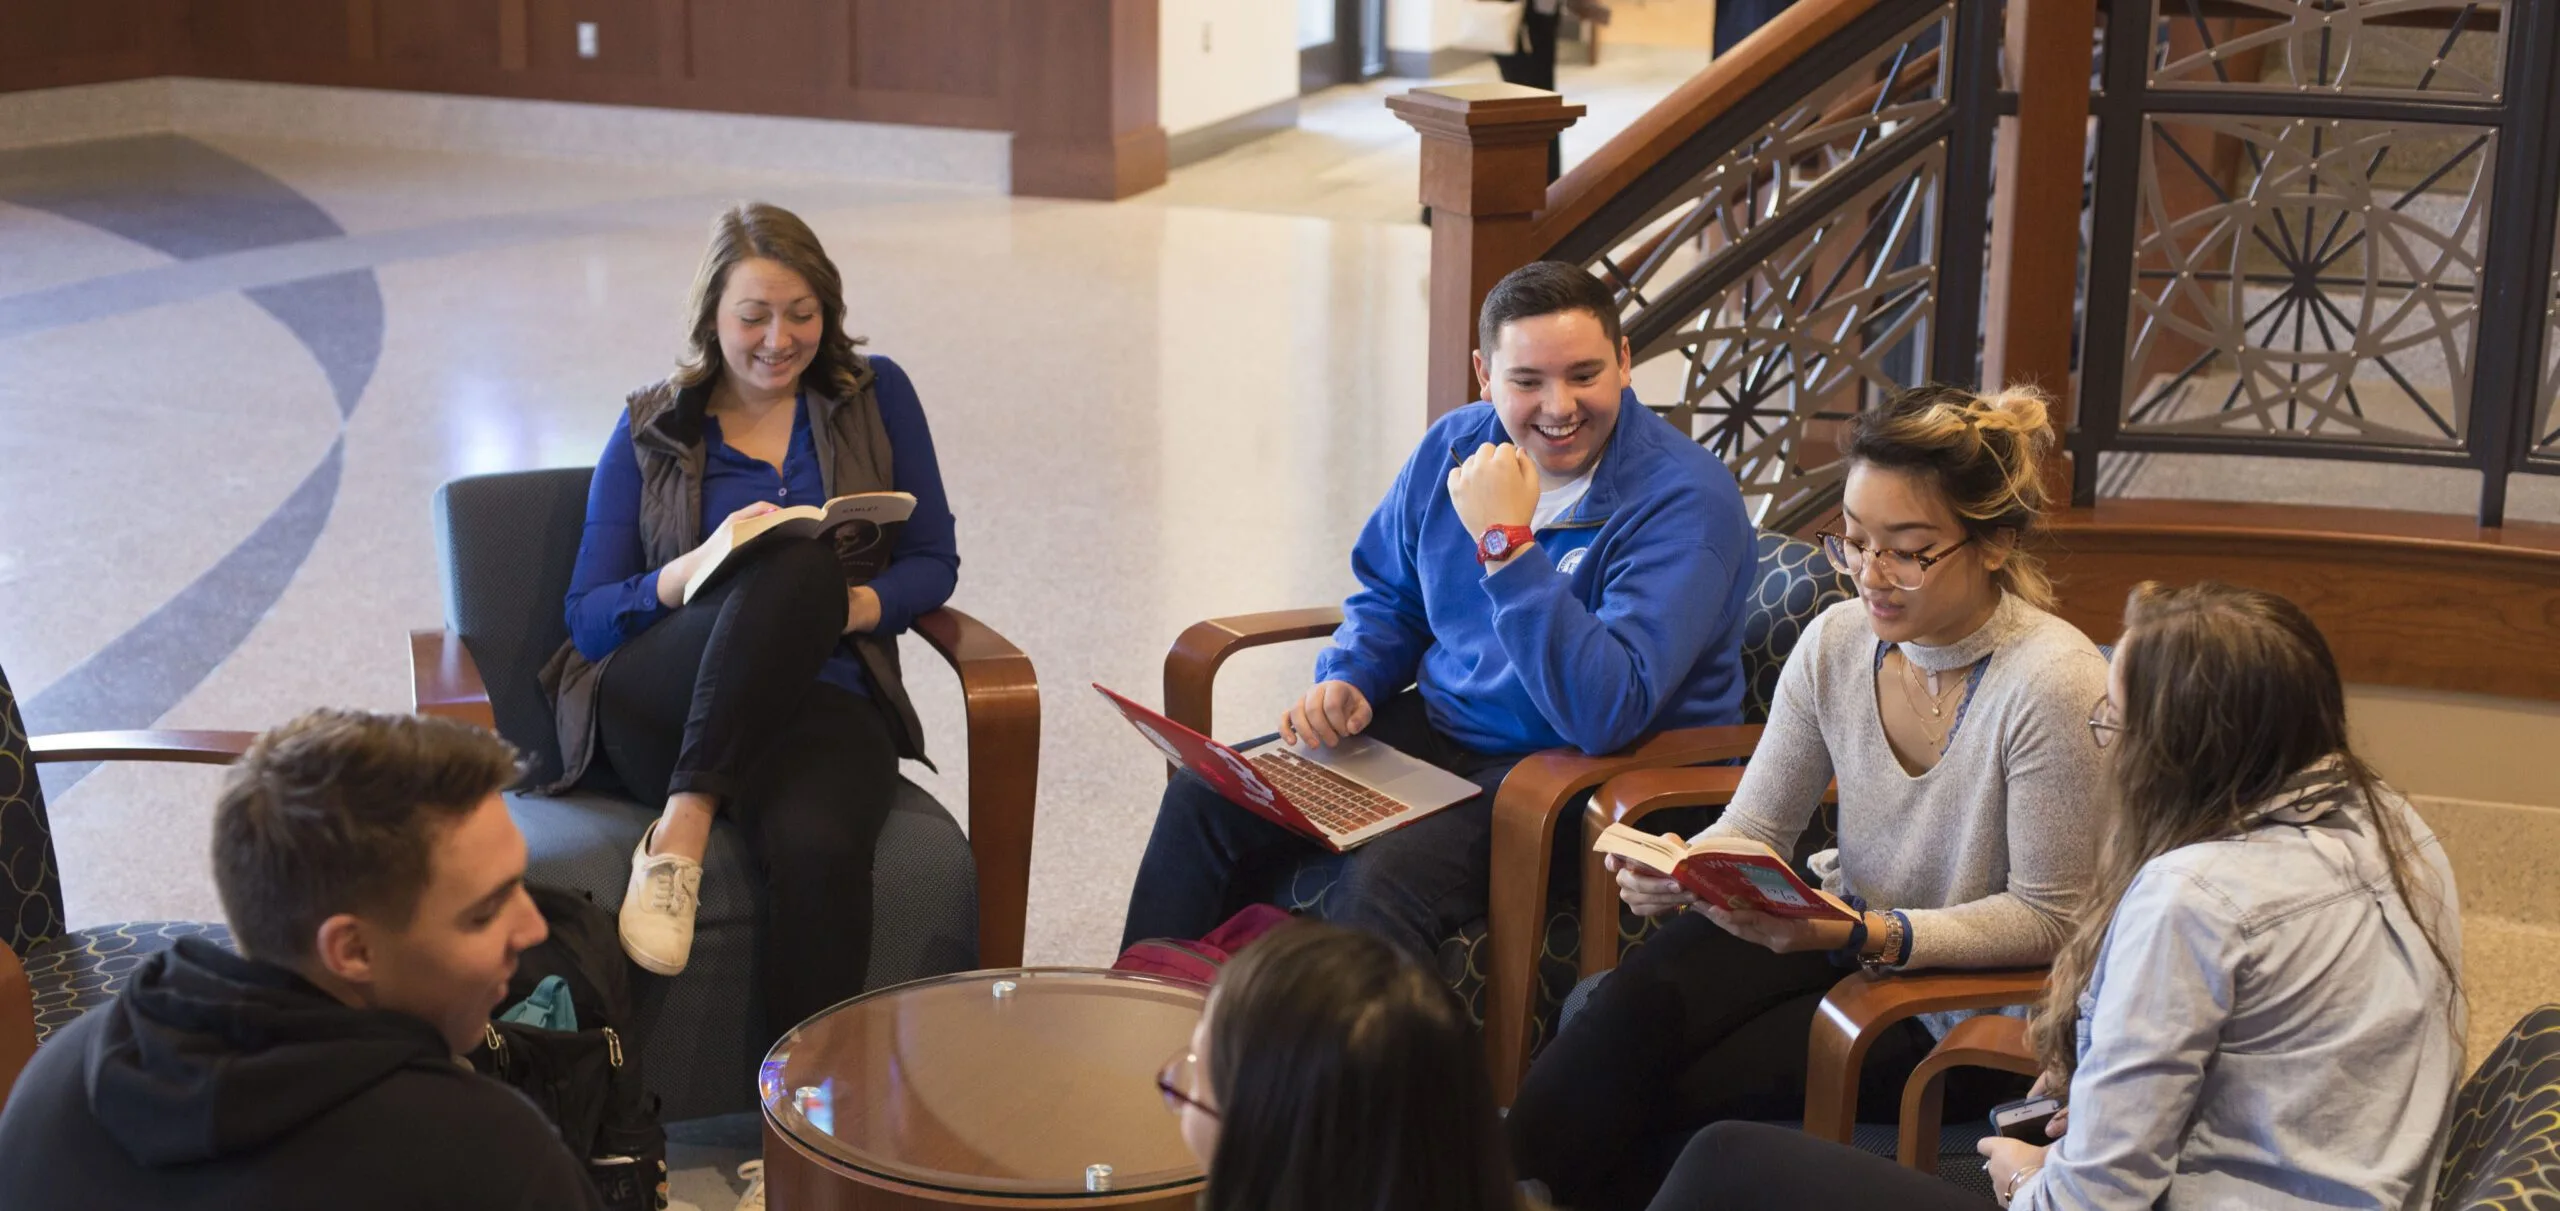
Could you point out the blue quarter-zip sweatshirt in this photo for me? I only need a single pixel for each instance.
(1624, 619)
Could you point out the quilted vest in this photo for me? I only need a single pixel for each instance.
(666, 439)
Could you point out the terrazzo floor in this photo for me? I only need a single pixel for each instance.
(233, 370)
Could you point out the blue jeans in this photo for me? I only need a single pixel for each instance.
(1209, 858)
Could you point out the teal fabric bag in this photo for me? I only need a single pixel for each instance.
(547, 1006)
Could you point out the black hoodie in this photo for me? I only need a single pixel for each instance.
(219, 1081)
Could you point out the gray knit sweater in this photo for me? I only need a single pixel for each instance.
(1988, 851)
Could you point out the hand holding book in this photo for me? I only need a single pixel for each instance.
(1745, 887)
(863, 528)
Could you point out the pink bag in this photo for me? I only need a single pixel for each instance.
(1200, 961)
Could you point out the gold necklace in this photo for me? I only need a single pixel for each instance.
(1930, 702)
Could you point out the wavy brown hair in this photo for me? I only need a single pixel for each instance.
(2228, 694)
(1984, 453)
(761, 229)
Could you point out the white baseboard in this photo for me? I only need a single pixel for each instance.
(561, 130)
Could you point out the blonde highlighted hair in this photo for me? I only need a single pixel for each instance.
(1985, 453)
(761, 229)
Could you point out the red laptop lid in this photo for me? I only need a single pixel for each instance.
(1225, 770)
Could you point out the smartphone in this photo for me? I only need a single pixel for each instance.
(2025, 1118)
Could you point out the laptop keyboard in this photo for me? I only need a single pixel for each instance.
(1338, 803)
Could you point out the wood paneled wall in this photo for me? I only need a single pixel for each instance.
(1074, 79)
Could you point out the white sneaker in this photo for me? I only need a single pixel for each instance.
(752, 1173)
(658, 907)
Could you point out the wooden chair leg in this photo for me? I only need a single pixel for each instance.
(17, 1021)
(1991, 1041)
(1924, 1111)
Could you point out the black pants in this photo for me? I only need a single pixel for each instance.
(1695, 1026)
(722, 698)
(1536, 67)
(1758, 1167)
(1209, 858)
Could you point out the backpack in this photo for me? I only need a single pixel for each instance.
(1200, 961)
(586, 1081)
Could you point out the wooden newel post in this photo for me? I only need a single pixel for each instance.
(2035, 221)
(1484, 176)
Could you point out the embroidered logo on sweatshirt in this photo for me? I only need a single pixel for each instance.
(1572, 559)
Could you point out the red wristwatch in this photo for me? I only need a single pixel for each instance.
(1499, 542)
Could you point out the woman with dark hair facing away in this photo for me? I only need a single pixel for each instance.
(1329, 1072)
(2261, 1006)
(774, 694)
(1952, 707)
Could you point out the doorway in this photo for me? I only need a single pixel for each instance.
(1340, 42)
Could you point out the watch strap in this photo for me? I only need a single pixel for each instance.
(1513, 538)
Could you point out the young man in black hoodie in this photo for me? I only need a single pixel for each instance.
(376, 886)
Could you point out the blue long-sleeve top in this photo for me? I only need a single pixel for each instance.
(613, 593)
(1625, 617)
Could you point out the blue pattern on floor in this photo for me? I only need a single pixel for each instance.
(191, 201)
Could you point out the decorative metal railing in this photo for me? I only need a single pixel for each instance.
(2323, 230)
(2313, 229)
(1813, 251)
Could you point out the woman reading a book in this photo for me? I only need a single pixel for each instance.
(1331, 1071)
(2260, 1006)
(1952, 709)
(769, 691)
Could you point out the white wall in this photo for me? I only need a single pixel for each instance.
(1221, 58)
(1423, 25)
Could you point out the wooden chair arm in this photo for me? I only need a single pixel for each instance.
(1628, 799)
(1000, 696)
(443, 680)
(1532, 800)
(186, 747)
(1860, 1007)
(1990, 1041)
(1191, 668)
(17, 1021)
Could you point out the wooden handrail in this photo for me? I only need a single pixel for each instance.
(1703, 98)
(1921, 67)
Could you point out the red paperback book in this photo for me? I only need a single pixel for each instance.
(1727, 872)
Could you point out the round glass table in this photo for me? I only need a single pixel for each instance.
(1022, 1087)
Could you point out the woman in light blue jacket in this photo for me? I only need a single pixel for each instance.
(2261, 1007)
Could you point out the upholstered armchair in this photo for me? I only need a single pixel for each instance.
(1860, 1007)
(944, 902)
(1858, 1010)
(1514, 967)
(50, 974)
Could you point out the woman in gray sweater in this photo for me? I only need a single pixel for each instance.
(1951, 707)
(2261, 1007)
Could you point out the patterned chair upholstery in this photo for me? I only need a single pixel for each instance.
(1794, 583)
(2503, 1151)
(506, 543)
(70, 970)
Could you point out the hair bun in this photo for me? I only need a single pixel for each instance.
(2023, 413)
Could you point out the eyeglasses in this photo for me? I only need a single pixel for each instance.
(2102, 725)
(1905, 570)
(1180, 1073)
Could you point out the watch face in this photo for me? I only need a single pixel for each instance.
(1496, 542)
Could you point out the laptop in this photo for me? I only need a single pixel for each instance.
(1341, 796)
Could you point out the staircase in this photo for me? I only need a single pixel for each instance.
(2267, 254)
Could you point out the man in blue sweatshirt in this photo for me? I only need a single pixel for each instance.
(1556, 567)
